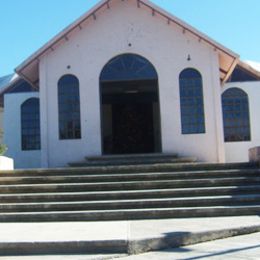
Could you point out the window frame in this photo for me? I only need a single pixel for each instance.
(192, 109)
(30, 116)
(69, 112)
(238, 105)
(128, 67)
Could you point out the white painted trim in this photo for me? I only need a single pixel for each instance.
(44, 114)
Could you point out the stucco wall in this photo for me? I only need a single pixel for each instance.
(238, 151)
(165, 46)
(1, 124)
(12, 132)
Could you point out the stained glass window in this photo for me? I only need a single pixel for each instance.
(30, 125)
(191, 100)
(69, 108)
(236, 115)
(127, 67)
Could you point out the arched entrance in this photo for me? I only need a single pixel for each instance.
(130, 106)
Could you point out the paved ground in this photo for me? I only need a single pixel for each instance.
(116, 230)
(244, 247)
(236, 248)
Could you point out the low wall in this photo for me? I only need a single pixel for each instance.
(6, 163)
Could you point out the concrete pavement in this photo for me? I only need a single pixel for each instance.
(117, 230)
(115, 237)
(245, 247)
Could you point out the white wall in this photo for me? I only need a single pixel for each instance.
(12, 132)
(165, 46)
(1, 124)
(238, 151)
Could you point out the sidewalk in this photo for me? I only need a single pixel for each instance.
(121, 236)
(245, 247)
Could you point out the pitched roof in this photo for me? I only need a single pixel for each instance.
(7, 80)
(29, 69)
(253, 65)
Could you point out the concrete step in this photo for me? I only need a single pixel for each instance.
(14, 179)
(137, 159)
(131, 214)
(133, 204)
(133, 161)
(134, 191)
(130, 185)
(129, 194)
(140, 168)
(116, 157)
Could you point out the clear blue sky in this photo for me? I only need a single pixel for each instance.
(25, 25)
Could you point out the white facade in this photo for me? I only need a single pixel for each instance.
(1, 124)
(124, 28)
(238, 151)
(12, 129)
(166, 47)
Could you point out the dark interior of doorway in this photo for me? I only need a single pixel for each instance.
(130, 117)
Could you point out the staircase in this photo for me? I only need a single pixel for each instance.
(124, 188)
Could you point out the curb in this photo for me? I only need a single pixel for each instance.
(131, 247)
(63, 247)
(178, 239)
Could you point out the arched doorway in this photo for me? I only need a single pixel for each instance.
(130, 106)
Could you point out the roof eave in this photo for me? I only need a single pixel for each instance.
(34, 58)
(10, 84)
(60, 35)
(190, 29)
(249, 68)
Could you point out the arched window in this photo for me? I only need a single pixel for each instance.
(30, 124)
(236, 115)
(69, 108)
(127, 67)
(191, 100)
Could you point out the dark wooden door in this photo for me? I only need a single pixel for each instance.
(133, 128)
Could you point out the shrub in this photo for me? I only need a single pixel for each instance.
(3, 149)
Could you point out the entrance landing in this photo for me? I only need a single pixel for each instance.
(130, 156)
(133, 159)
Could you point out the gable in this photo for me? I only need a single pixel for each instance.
(17, 85)
(244, 72)
(29, 69)
(240, 75)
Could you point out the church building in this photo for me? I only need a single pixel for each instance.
(130, 78)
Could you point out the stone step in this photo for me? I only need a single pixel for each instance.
(133, 158)
(129, 194)
(212, 201)
(134, 191)
(130, 185)
(131, 214)
(140, 168)
(133, 161)
(145, 156)
(14, 179)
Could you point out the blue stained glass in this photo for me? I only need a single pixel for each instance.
(30, 125)
(128, 67)
(69, 107)
(236, 119)
(191, 99)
